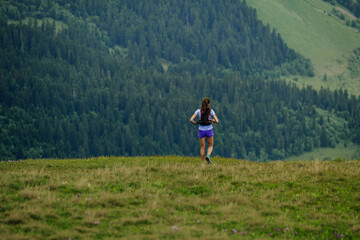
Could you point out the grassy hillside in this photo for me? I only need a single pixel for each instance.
(341, 150)
(176, 198)
(312, 29)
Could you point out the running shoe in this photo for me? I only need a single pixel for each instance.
(208, 159)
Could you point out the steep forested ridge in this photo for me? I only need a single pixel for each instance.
(195, 37)
(91, 78)
(223, 34)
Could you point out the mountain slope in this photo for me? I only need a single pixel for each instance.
(312, 29)
(194, 37)
(80, 79)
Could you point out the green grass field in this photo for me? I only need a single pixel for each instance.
(309, 27)
(176, 198)
(349, 151)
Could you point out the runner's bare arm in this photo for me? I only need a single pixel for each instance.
(215, 120)
(192, 119)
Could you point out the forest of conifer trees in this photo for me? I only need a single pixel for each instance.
(91, 78)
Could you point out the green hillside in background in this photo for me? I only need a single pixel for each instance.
(315, 29)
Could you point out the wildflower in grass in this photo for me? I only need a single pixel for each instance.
(338, 235)
(175, 228)
(286, 229)
(270, 234)
(97, 223)
(235, 231)
(197, 221)
(242, 233)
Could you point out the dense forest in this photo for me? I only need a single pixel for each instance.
(195, 37)
(90, 78)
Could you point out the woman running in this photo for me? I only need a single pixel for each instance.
(206, 118)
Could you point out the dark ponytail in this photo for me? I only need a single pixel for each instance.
(205, 105)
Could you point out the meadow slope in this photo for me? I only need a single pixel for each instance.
(176, 198)
(311, 28)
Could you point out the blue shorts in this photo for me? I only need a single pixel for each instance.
(207, 133)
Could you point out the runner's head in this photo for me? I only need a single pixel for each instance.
(205, 105)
